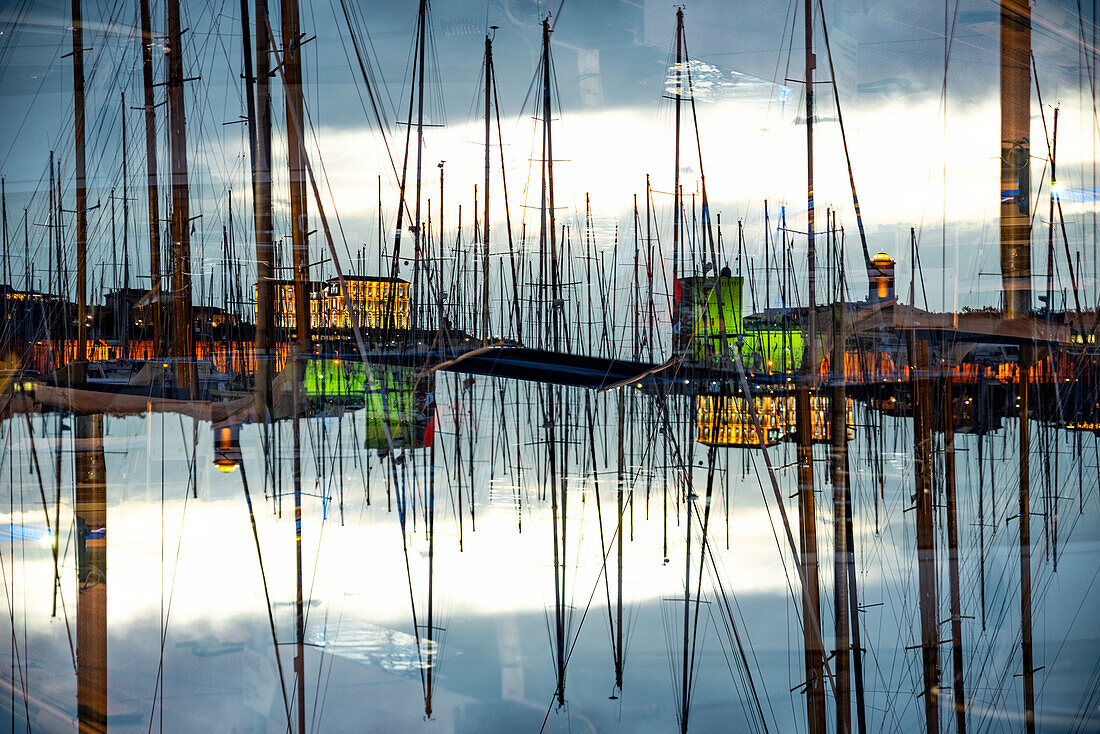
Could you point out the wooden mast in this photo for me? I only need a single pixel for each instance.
(953, 552)
(926, 543)
(150, 113)
(292, 63)
(1016, 275)
(126, 315)
(1015, 156)
(258, 100)
(295, 114)
(90, 509)
(807, 516)
(184, 339)
(81, 191)
(838, 464)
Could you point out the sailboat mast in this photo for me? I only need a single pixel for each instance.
(184, 340)
(811, 631)
(149, 109)
(7, 261)
(1015, 156)
(953, 554)
(924, 519)
(81, 188)
(1016, 276)
(126, 316)
(838, 459)
(292, 61)
(811, 275)
(258, 99)
(676, 155)
(418, 234)
(485, 216)
(292, 81)
(548, 203)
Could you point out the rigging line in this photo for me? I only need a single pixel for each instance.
(363, 67)
(367, 367)
(814, 622)
(191, 464)
(737, 638)
(46, 512)
(9, 594)
(843, 134)
(267, 596)
(711, 458)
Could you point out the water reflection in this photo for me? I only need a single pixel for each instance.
(541, 553)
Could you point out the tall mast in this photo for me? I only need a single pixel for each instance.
(258, 102)
(151, 168)
(292, 62)
(676, 155)
(953, 554)
(548, 192)
(811, 276)
(90, 510)
(485, 216)
(1016, 276)
(926, 544)
(7, 262)
(811, 632)
(417, 234)
(389, 318)
(184, 339)
(292, 81)
(838, 460)
(81, 188)
(126, 317)
(1015, 156)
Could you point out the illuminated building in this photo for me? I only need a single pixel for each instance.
(880, 279)
(399, 401)
(284, 304)
(373, 299)
(702, 310)
(771, 345)
(725, 420)
(227, 447)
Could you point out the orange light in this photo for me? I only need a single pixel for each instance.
(226, 466)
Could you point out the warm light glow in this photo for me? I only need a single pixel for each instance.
(226, 465)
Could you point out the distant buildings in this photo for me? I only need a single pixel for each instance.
(376, 302)
(285, 316)
(725, 420)
(371, 299)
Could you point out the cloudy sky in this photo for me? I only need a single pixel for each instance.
(919, 161)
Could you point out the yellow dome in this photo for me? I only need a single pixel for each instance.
(226, 465)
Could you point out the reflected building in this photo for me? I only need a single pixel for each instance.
(400, 399)
(227, 447)
(400, 407)
(726, 421)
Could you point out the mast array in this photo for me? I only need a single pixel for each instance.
(409, 351)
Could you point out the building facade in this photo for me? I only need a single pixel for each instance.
(378, 303)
